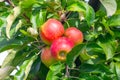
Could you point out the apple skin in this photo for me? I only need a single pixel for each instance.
(46, 57)
(60, 48)
(51, 30)
(74, 34)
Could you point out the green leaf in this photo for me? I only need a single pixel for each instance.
(114, 20)
(118, 4)
(1, 22)
(108, 44)
(55, 71)
(27, 3)
(94, 68)
(115, 67)
(33, 21)
(72, 55)
(13, 43)
(117, 70)
(37, 19)
(80, 7)
(18, 26)
(84, 56)
(9, 58)
(10, 19)
(25, 69)
(89, 14)
(87, 76)
(6, 67)
(41, 18)
(110, 6)
(16, 57)
(117, 56)
(84, 8)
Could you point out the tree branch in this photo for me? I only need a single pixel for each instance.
(10, 2)
(67, 74)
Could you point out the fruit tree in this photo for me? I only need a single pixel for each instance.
(60, 39)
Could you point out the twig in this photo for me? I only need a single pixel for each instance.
(67, 74)
(26, 17)
(10, 2)
(64, 16)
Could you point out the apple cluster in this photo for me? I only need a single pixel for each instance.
(60, 41)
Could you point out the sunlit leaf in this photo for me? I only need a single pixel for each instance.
(6, 66)
(27, 3)
(108, 45)
(9, 58)
(1, 22)
(18, 25)
(11, 18)
(4, 72)
(110, 6)
(117, 69)
(114, 20)
(84, 8)
(24, 69)
(55, 71)
(41, 18)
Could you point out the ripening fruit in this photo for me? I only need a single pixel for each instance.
(46, 57)
(51, 30)
(74, 34)
(61, 47)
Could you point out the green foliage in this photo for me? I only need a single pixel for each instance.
(55, 72)
(114, 20)
(76, 51)
(110, 6)
(84, 9)
(97, 58)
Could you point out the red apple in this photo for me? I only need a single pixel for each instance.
(74, 35)
(51, 30)
(61, 47)
(46, 57)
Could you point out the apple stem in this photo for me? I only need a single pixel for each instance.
(64, 16)
(67, 74)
